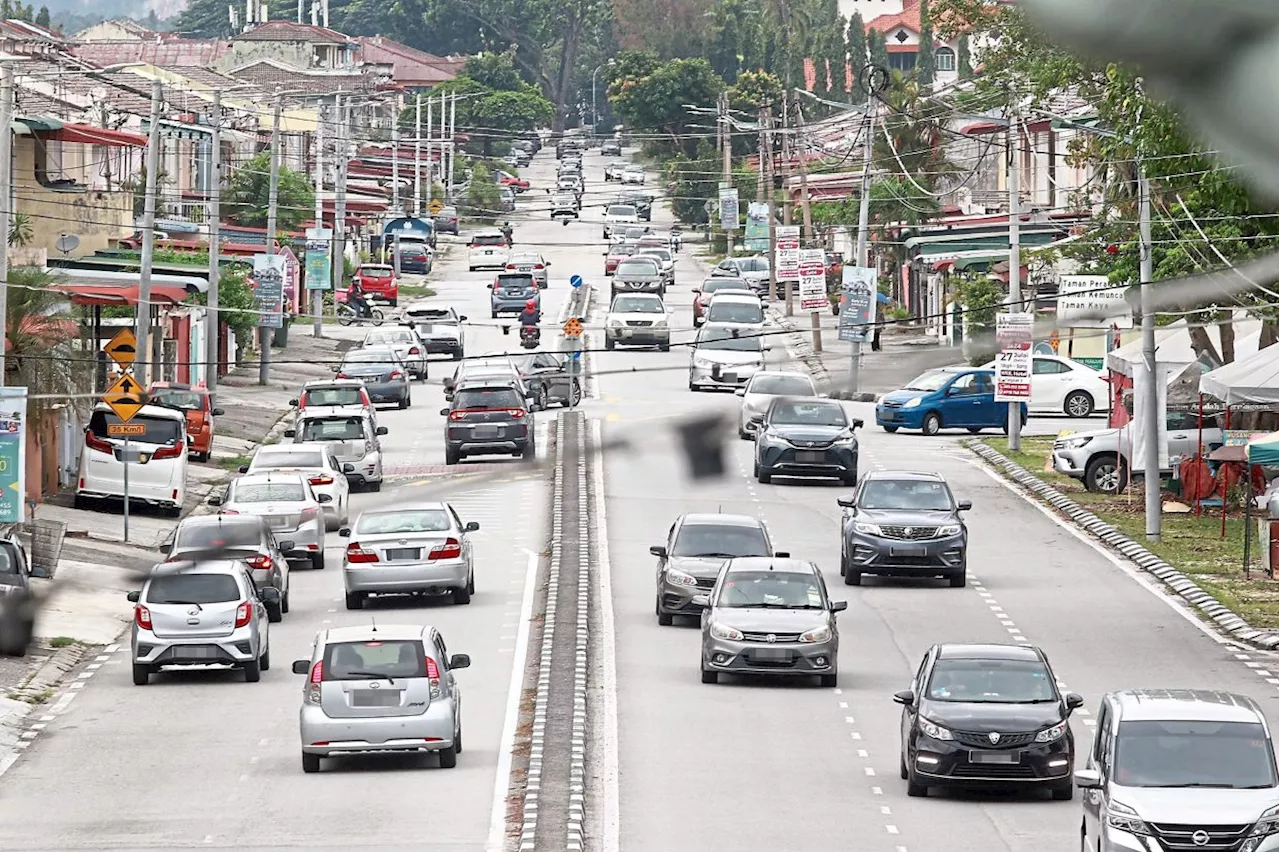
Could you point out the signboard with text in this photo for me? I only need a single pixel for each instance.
(728, 207)
(292, 274)
(317, 259)
(787, 252)
(857, 304)
(1091, 301)
(13, 455)
(1013, 363)
(268, 289)
(813, 280)
(757, 235)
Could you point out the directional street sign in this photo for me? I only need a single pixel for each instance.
(124, 397)
(573, 327)
(435, 206)
(123, 348)
(575, 281)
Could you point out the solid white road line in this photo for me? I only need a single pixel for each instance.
(606, 723)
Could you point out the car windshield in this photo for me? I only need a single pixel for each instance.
(711, 285)
(403, 521)
(637, 305)
(374, 660)
(486, 399)
(723, 341)
(157, 430)
(930, 381)
(807, 414)
(564, 199)
(268, 492)
(334, 396)
(991, 682)
(726, 540)
(173, 398)
(276, 461)
(769, 385)
(242, 535)
(192, 589)
(488, 240)
(333, 429)
(753, 264)
(620, 210)
(740, 312)
(770, 589)
(8, 563)
(911, 494)
(642, 266)
(1193, 754)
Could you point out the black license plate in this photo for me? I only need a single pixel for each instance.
(811, 457)
(375, 698)
(909, 550)
(395, 553)
(484, 432)
(771, 654)
(1005, 758)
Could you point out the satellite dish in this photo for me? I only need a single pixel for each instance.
(67, 243)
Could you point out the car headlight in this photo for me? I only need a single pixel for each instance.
(660, 324)
(949, 529)
(615, 323)
(937, 732)
(702, 363)
(846, 441)
(1121, 816)
(723, 631)
(680, 578)
(869, 529)
(1266, 826)
(1053, 734)
(1077, 443)
(820, 634)
(912, 403)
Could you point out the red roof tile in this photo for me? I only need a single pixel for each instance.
(174, 53)
(291, 31)
(411, 67)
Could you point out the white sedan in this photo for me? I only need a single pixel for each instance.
(1062, 385)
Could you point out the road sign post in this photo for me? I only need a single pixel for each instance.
(573, 345)
(126, 398)
(125, 463)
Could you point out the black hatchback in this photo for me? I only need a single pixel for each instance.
(486, 419)
(987, 716)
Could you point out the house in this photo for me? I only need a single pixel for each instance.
(122, 29)
(410, 68)
(300, 46)
(899, 22)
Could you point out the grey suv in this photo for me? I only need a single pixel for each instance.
(770, 616)
(487, 419)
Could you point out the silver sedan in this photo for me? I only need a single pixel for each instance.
(290, 506)
(420, 549)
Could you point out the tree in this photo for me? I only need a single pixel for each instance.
(655, 102)
(20, 231)
(697, 181)
(483, 199)
(857, 37)
(671, 28)
(829, 49)
(40, 354)
(925, 65)
(205, 19)
(755, 89)
(964, 63)
(42, 17)
(248, 195)
(497, 101)
(876, 50)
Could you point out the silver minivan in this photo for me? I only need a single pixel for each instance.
(1179, 769)
(353, 437)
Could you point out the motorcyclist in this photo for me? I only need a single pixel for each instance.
(356, 299)
(531, 315)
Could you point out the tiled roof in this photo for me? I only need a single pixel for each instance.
(23, 31)
(267, 72)
(909, 17)
(410, 66)
(290, 31)
(174, 53)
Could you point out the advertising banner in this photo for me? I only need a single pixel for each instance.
(787, 252)
(857, 304)
(757, 236)
(1013, 364)
(13, 455)
(268, 289)
(728, 208)
(813, 280)
(317, 259)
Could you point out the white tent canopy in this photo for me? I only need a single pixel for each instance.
(1255, 378)
(1173, 345)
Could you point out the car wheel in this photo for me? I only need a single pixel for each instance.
(902, 768)
(973, 430)
(264, 662)
(310, 762)
(494, 314)
(742, 434)
(141, 674)
(958, 581)
(529, 451)
(462, 595)
(317, 561)
(275, 614)
(448, 757)
(762, 477)
(542, 401)
(457, 740)
(471, 584)
(284, 602)
(458, 356)
(252, 671)
(609, 344)
(852, 576)
(1078, 404)
(471, 269)
(915, 789)
(1105, 474)
(710, 677)
(932, 423)
(355, 600)
(575, 394)
(664, 347)
(403, 404)
(1064, 791)
(890, 429)
(850, 479)
(376, 485)
(451, 456)
(665, 619)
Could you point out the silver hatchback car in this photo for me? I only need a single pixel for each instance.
(352, 436)
(770, 617)
(419, 549)
(201, 613)
(380, 689)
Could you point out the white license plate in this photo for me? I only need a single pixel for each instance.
(771, 653)
(484, 432)
(728, 377)
(804, 457)
(198, 652)
(909, 550)
(998, 757)
(375, 698)
(404, 553)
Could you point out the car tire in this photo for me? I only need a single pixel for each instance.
(264, 662)
(310, 762)
(317, 561)
(915, 789)
(575, 394)
(1078, 404)
(852, 576)
(890, 429)
(742, 434)
(275, 614)
(403, 404)
(665, 619)
(284, 602)
(1105, 474)
(529, 451)
(1064, 791)
(850, 479)
(448, 757)
(141, 674)
(932, 423)
(828, 680)
(376, 485)
(609, 344)
(354, 600)
(253, 671)
(958, 581)
(973, 430)
(457, 740)
(664, 347)
(471, 269)
(462, 595)
(494, 314)
(458, 356)
(451, 456)
(471, 584)
(902, 768)
(762, 477)
(710, 677)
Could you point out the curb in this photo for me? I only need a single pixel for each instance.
(1226, 620)
(53, 669)
(576, 838)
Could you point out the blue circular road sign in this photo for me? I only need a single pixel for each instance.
(575, 281)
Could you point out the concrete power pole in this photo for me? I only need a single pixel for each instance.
(340, 196)
(1015, 262)
(395, 161)
(212, 315)
(317, 296)
(265, 333)
(1152, 413)
(6, 196)
(807, 235)
(861, 255)
(417, 155)
(766, 171)
(453, 135)
(431, 169)
(143, 330)
(787, 150)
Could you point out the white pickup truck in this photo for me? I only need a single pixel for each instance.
(617, 217)
(1100, 458)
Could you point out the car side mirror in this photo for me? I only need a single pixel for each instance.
(953, 391)
(658, 551)
(1088, 779)
(839, 606)
(293, 403)
(846, 502)
(1073, 701)
(470, 526)
(290, 433)
(301, 666)
(460, 661)
(212, 501)
(782, 554)
(344, 532)
(766, 348)
(701, 600)
(444, 412)
(134, 597)
(270, 595)
(244, 468)
(906, 698)
(348, 468)
(380, 431)
(287, 545)
(217, 412)
(740, 392)
(488, 286)
(964, 505)
(857, 423)
(462, 319)
(324, 498)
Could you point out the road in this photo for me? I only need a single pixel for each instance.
(206, 760)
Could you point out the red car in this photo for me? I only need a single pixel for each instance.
(379, 282)
(508, 179)
(615, 254)
(193, 401)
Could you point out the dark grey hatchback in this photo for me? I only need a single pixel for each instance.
(485, 419)
(903, 524)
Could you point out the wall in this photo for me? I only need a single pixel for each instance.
(295, 53)
(93, 216)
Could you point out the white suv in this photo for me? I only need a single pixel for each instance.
(619, 214)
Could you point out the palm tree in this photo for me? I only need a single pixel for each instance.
(40, 356)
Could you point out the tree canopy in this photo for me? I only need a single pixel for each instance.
(248, 195)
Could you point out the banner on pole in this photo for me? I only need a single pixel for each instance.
(728, 207)
(13, 455)
(268, 289)
(857, 304)
(787, 252)
(317, 259)
(813, 280)
(757, 236)
(1013, 364)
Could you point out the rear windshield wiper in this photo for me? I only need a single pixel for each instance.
(374, 676)
(183, 603)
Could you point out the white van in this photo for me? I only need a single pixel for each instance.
(157, 469)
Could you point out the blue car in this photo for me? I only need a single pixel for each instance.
(947, 398)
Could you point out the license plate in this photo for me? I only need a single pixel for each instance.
(810, 457)
(1000, 757)
(197, 652)
(487, 432)
(404, 553)
(909, 550)
(488, 253)
(771, 654)
(375, 698)
(728, 377)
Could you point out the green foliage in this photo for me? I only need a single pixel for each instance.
(697, 181)
(235, 301)
(42, 17)
(655, 102)
(249, 192)
(39, 355)
(495, 71)
(483, 199)
(925, 65)
(755, 89)
(964, 61)
(982, 298)
(498, 102)
(876, 50)
(857, 46)
(20, 231)
(917, 128)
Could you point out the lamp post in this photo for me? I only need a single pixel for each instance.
(595, 113)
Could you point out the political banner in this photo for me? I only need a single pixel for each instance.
(787, 252)
(268, 289)
(857, 304)
(317, 259)
(728, 208)
(813, 280)
(13, 455)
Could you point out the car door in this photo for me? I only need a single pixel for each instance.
(1050, 383)
(463, 536)
(1099, 760)
(341, 486)
(991, 413)
(962, 403)
(259, 609)
(1182, 434)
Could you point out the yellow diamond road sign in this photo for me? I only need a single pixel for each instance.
(124, 397)
(435, 206)
(573, 328)
(123, 348)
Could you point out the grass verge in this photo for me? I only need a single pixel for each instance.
(1196, 546)
(232, 463)
(416, 291)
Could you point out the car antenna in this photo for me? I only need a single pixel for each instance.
(373, 621)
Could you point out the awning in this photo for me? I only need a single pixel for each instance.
(1264, 450)
(89, 135)
(34, 124)
(162, 295)
(991, 241)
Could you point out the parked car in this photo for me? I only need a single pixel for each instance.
(946, 398)
(1100, 458)
(354, 439)
(194, 403)
(1062, 385)
(531, 261)
(446, 221)
(802, 437)
(439, 329)
(637, 274)
(414, 257)
(379, 281)
(15, 579)
(510, 291)
(696, 547)
(487, 418)
(720, 358)
(245, 538)
(760, 391)
(488, 249)
(324, 473)
(385, 376)
(289, 506)
(157, 454)
(201, 613)
(349, 672)
(637, 319)
(407, 345)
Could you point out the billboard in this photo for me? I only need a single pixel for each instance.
(268, 289)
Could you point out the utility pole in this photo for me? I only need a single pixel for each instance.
(787, 151)
(143, 313)
(265, 332)
(212, 315)
(340, 197)
(763, 153)
(453, 135)
(861, 255)
(1152, 413)
(6, 196)
(431, 169)
(317, 296)
(395, 162)
(417, 155)
(726, 139)
(766, 169)
(1015, 262)
(807, 235)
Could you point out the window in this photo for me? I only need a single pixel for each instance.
(487, 399)
(193, 589)
(1234, 755)
(991, 681)
(374, 660)
(764, 589)
(807, 414)
(965, 385)
(918, 494)
(268, 492)
(720, 540)
(766, 384)
(242, 535)
(739, 312)
(334, 396)
(902, 61)
(930, 381)
(333, 429)
(721, 341)
(174, 398)
(944, 59)
(637, 305)
(411, 521)
(1047, 366)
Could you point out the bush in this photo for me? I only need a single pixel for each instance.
(483, 199)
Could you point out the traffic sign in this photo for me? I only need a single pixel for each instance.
(435, 206)
(573, 327)
(575, 281)
(123, 348)
(126, 430)
(124, 397)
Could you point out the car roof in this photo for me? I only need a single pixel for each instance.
(332, 383)
(160, 411)
(732, 296)
(1168, 705)
(220, 520)
(992, 651)
(386, 266)
(372, 632)
(786, 375)
(293, 449)
(913, 475)
(781, 564)
(231, 567)
(182, 386)
(322, 412)
(487, 232)
(715, 518)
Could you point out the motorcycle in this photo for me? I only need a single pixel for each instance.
(530, 336)
(347, 315)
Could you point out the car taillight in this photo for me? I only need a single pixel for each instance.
(516, 413)
(413, 350)
(433, 675)
(302, 401)
(511, 266)
(342, 376)
(142, 616)
(321, 480)
(93, 442)
(364, 395)
(309, 513)
(173, 452)
(261, 562)
(229, 512)
(243, 612)
(356, 553)
(396, 374)
(313, 688)
(455, 416)
(451, 549)
(539, 266)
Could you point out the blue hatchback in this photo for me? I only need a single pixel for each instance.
(948, 398)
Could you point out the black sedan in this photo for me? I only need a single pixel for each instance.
(903, 524)
(986, 716)
(802, 436)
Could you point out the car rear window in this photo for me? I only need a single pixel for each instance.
(8, 560)
(515, 280)
(334, 396)
(268, 492)
(781, 385)
(372, 355)
(374, 659)
(620, 210)
(487, 398)
(488, 240)
(375, 272)
(333, 429)
(272, 461)
(218, 535)
(159, 430)
(742, 312)
(390, 336)
(192, 589)
(403, 521)
(183, 399)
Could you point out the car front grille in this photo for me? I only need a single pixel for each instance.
(639, 323)
(970, 738)
(909, 533)
(811, 445)
(891, 404)
(777, 637)
(706, 582)
(993, 770)
(1222, 838)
